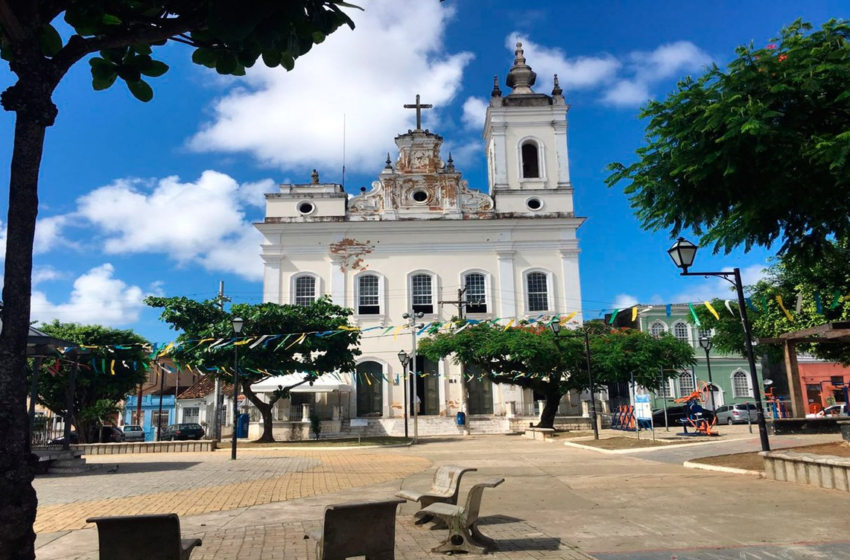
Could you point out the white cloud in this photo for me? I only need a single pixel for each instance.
(474, 111)
(624, 301)
(295, 120)
(48, 235)
(719, 288)
(45, 273)
(624, 81)
(197, 222)
(97, 298)
(582, 72)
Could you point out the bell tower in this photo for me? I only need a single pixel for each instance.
(526, 139)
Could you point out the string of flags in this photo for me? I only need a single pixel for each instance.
(837, 298)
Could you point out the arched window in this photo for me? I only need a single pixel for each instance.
(537, 289)
(305, 290)
(370, 389)
(530, 161)
(368, 298)
(740, 385)
(680, 331)
(686, 383)
(657, 329)
(476, 293)
(422, 295)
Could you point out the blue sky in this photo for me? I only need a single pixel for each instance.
(158, 198)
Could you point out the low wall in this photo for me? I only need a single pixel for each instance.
(823, 471)
(145, 447)
(295, 431)
(791, 426)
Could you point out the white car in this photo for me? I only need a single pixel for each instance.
(133, 433)
(830, 411)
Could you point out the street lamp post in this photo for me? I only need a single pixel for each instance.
(411, 321)
(705, 343)
(237, 324)
(556, 329)
(683, 253)
(405, 360)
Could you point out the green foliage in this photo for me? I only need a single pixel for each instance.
(755, 152)
(315, 355)
(786, 277)
(95, 390)
(533, 357)
(225, 35)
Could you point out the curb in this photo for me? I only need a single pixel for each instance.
(640, 449)
(718, 468)
(329, 448)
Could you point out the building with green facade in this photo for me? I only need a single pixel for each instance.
(729, 376)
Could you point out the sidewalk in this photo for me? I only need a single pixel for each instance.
(609, 506)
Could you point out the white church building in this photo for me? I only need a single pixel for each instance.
(418, 236)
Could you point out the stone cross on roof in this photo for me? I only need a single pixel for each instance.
(418, 106)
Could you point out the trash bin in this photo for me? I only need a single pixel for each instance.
(242, 426)
(461, 419)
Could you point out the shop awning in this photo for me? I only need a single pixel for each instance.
(324, 384)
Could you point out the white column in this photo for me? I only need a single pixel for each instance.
(442, 380)
(337, 283)
(561, 153)
(572, 284)
(272, 279)
(507, 284)
(500, 156)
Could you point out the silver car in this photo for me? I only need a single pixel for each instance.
(133, 433)
(736, 413)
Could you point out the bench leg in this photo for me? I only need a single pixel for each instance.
(460, 542)
(481, 538)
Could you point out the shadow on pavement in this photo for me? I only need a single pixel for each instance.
(541, 543)
(107, 469)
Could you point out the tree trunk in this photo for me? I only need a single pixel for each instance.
(265, 411)
(553, 399)
(19, 503)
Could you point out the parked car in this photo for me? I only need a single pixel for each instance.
(110, 434)
(182, 431)
(834, 410)
(675, 415)
(736, 413)
(133, 433)
(61, 440)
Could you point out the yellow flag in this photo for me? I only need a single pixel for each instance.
(634, 312)
(712, 310)
(395, 332)
(782, 307)
(511, 322)
(300, 338)
(112, 367)
(565, 320)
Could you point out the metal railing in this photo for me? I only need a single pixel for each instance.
(42, 436)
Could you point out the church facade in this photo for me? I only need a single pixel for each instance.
(420, 235)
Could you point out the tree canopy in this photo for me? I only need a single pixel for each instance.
(291, 353)
(225, 35)
(105, 375)
(533, 357)
(754, 152)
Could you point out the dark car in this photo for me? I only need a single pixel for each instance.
(675, 415)
(61, 440)
(110, 434)
(182, 431)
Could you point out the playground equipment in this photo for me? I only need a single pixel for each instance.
(694, 417)
(777, 406)
(623, 418)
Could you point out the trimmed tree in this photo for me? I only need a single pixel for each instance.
(118, 39)
(753, 153)
(104, 378)
(533, 357)
(325, 350)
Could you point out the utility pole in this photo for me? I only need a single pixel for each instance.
(411, 318)
(461, 304)
(221, 299)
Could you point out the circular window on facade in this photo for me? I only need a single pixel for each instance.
(306, 208)
(419, 196)
(534, 203)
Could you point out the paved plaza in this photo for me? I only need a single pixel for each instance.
(556, 502)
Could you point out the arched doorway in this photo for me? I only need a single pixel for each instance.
(716, 394)
(479, 390)
(370, 389)
(427, 387)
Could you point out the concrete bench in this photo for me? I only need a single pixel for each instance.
(462, 522)
(539, 434)
(444, 489)
(357, 529)
(142, 537)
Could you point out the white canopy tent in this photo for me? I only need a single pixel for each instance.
(323, 384)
